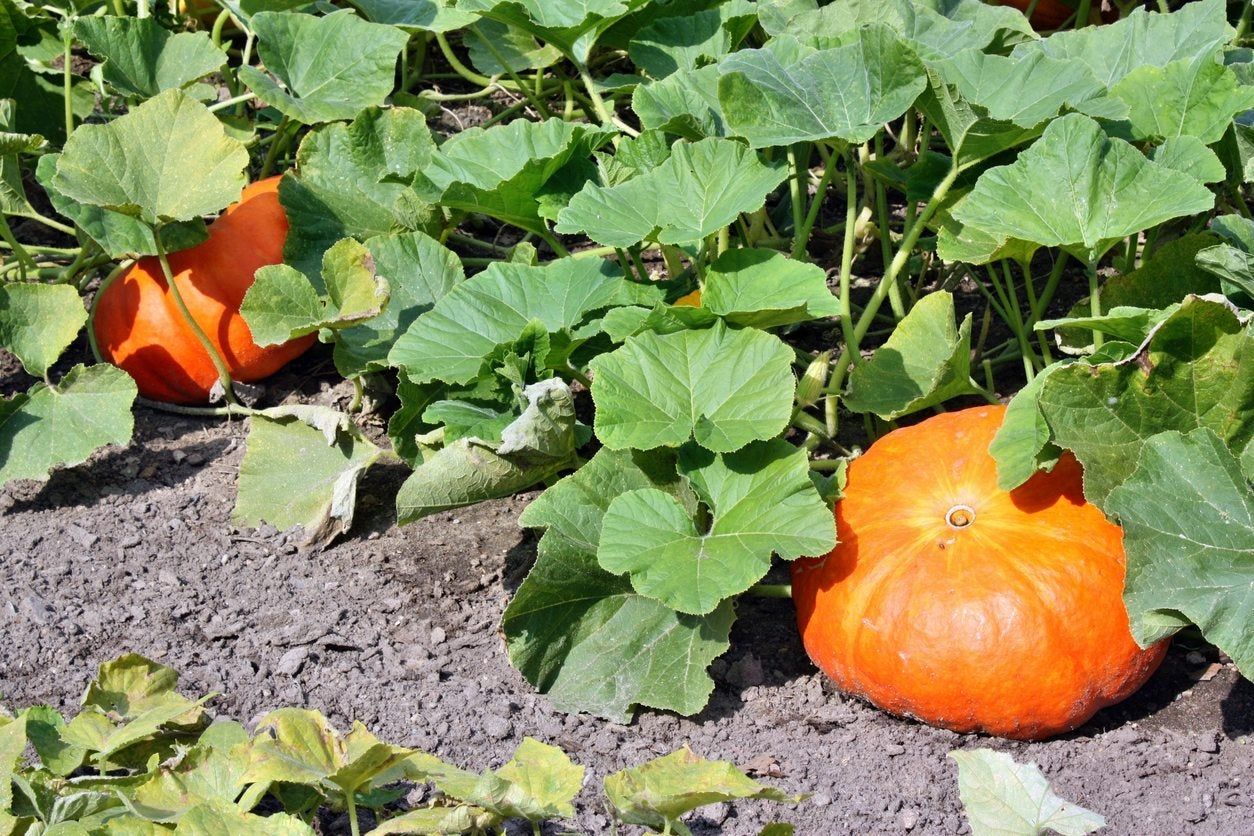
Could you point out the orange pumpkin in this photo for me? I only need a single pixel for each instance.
(138, 327)
(966, 606)
(690, 300)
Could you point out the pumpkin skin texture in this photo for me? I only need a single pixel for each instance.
(1012, 623)
(138, 327)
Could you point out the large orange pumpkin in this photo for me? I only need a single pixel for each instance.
(138, 326)
(966, 606)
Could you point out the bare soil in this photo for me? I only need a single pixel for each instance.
(398, 627)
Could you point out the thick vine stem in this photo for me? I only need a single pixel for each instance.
(197, 411)
(1095, 299)
(770, 590)
(215, 357)
(899, 262)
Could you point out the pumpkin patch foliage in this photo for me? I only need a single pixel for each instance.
(672, 264)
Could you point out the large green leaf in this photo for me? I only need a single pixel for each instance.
(585, 638)
(1196, 370)
(684, 103)
(329, 68)
(205, 774)
(342, 185)
(765, 289)
(219, 818)
(143, 58)
(723, 387)
(779, 96)
(453, 340)
(62, 425)
(658, 793)
(538, 444)
(688, 41)
(1232, 262)
(761, 501)
(1191, 97)
(1188, 520)
(1079, 189)
(420, 272)
(168, 159)
(508, 170)
(572, 26)
(301, 468)
(926, 361)
(1141, 39)
(38, 322)
(1004, 798)
(282, 304)
(498, 49)
(423, 15)
(1022, 445)
(701, 188)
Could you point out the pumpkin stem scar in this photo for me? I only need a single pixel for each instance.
(960, 516)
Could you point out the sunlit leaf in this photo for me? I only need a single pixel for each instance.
(38, 322)
(328, 68)
(1191, 97)
(1004, 798)
(764, 289)
(143, 58)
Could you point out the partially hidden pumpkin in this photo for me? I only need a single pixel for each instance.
(966, 606)
(137, 324)
(1048, 15)
(690, 300)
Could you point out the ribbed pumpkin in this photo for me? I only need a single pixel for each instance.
(138, 326)
(966, 606)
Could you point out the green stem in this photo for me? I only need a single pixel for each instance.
(219, 23)
(598, 103)
(458, 67)
(523, 88)
(1243, 25)
(223, 105)
(908, 242)
(1047, 356)
(353, 826)
(771, 590)
(215, 357)
(846, 275)
(279, 142)
(555, 245)
(196, 411)
(1082, 14)
(24, 260)
(1095, 300)
(802, 239)
(67, 81)
(795, 187)
(1010, 302)
(468, 241)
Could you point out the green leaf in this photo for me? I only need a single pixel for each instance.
(1188, 519)
(168, 159)
(131, 685)
(538, 444)
(503, 171)
(342, 185)
(1111, 192)
(119, 235)
(538, 783)
(1004, 798)
(1142, 39)
(1191, 97)
(420, 272)
(971, 134)
(926, 361)
(1196, 370)
(1023, 91)
(328, 68)
(299, 746)
(282, 304)
(1189, 155)
(62, 425)
(684, 103)
(1122, 322)
(688, 41)
(497, 49)
(701, 188)
(582, 636)
(572, 26)
(1167, 276)
(319, 450)
(764, 289)
(658, 793)
(221, 818)
(453, 341)
(45, 729)
(723, 387)
(38, 322)
(12, 747)
(762, 502)
(421, 15)
(142, 58)
(204, 774)
(1023, 439)
(1232, 262)
(844, 93)
(575, 506)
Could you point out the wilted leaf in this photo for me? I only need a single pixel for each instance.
(658, 793)
(223, 819)
(1004, 798)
